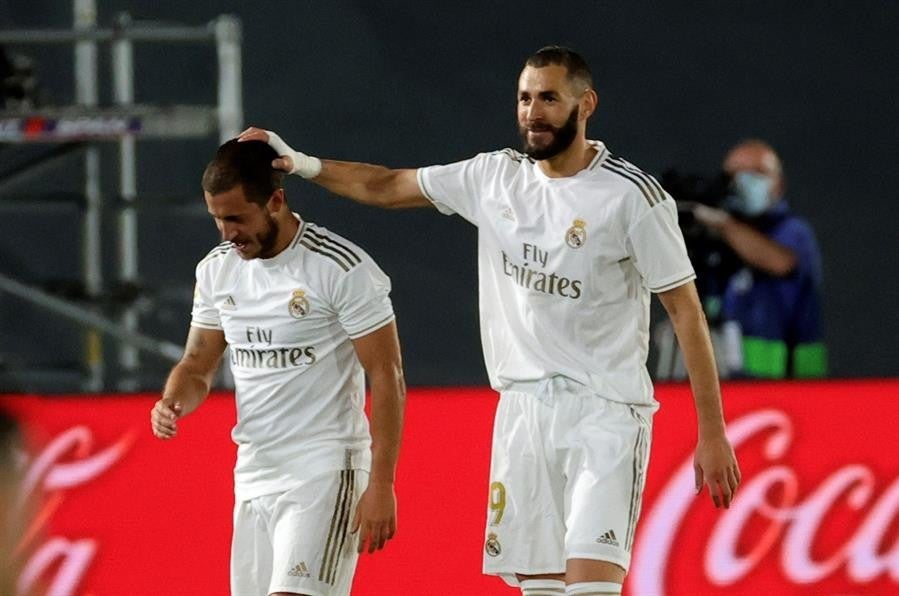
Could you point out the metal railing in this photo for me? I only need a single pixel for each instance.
(125, 122)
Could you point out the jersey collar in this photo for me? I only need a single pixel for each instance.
(601, 154)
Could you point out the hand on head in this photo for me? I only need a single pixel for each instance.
(292, 162)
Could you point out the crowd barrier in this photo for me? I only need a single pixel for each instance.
(120, 512)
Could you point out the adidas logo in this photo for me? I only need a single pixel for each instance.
(299, 570)
(229, 304)
(507, 214)
(608, 538)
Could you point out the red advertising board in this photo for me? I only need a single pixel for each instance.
(119, 512)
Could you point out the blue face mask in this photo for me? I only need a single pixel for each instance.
(752, 193)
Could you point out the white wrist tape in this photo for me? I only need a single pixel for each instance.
(304, 165)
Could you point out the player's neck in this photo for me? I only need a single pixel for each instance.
(569, 162)
(287, 230)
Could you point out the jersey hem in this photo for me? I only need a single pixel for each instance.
(251, 490)
(300, 585)
(673, 284)
(372, 328)
(422, 186)
(511, 577)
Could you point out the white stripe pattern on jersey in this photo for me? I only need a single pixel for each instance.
(514, 155)
(650, 188)
(220, 249)
(324, 245)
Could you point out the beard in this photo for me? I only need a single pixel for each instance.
(562, 137)
(268, 238)
(263, 242)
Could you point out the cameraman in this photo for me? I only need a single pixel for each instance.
(774, 300)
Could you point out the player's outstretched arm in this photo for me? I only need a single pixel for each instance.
(714, 462)
(189, 382)
(379, 353)
(364, 183)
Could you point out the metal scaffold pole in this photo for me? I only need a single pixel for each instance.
(230, 102)
(86, 94)
(79, 128)
(123, 90)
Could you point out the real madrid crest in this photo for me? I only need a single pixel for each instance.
(492, 545)
(576, 235)
(298, 305)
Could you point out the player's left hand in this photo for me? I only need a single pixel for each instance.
(375, 519)
(715, 465)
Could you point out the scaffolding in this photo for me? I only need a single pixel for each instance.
(86, 124)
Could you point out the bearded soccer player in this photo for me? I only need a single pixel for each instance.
(307, 316)
(572, 240)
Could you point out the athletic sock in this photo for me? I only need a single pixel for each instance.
(593, 589)
(542, 587)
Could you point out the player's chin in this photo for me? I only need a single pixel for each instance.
(532, 143)
(246, 251)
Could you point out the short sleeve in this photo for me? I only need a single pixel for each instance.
(656, 244)
(455, 187)
(362, 299)
(204, 313)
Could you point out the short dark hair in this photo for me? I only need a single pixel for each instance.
(248, 164)
(574, 63)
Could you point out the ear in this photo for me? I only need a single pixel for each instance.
(276, 201)
(589, 102)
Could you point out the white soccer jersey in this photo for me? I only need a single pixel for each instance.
(288, 321)
(566, 266)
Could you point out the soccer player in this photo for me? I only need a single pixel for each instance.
(571, 241)
(307, 316)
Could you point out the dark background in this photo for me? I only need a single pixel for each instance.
(416, 83)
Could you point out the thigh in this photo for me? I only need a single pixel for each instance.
(606, 469)
(251, 548)
(314, 551)
(525, 524)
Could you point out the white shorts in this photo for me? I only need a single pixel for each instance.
(566, 482)
(298, 541)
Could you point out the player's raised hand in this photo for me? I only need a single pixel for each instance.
(375, 519)
(715, 465)
(290, 161)
(163, 419)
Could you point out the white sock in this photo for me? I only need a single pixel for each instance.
(542, 587)
(593, 589)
